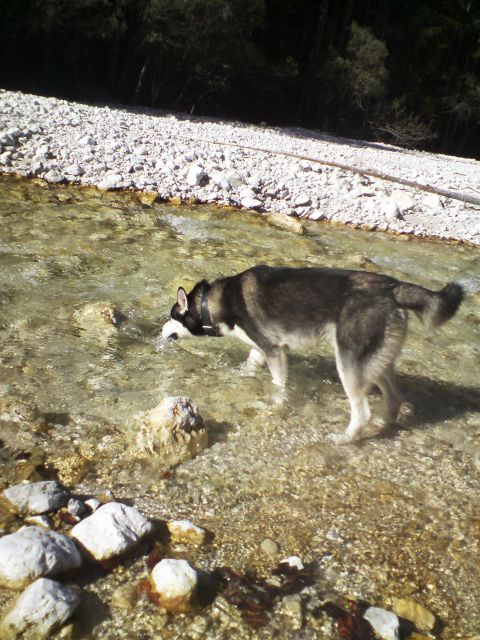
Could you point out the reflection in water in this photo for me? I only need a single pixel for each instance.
(389, 517)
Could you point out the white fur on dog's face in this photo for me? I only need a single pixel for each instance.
(174, 328)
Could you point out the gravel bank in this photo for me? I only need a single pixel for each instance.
(213, 161)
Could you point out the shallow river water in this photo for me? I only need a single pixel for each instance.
(393, 516)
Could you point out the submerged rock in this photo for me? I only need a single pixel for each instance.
(421, 617)
(99, 320)
(187, 532)
(33, 552)
(173, 430)
(41, 609)
(112, 530)
(292, 610)
(270, 548)
(385, 623)
(175, 582)
(34, 498)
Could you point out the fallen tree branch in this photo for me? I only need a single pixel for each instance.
(380, 175)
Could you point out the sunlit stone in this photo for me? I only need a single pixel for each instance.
(33, 552)
(43, 607)
(175, 582)
(34, 498)
(111, 531)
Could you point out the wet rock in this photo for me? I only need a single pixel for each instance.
(174, 429)
(34, 552)
(292, 609)
(385, 623)
(112, 530)
(421, 617)
(41, 609)
(187, 532)
(125, 597)
(283, 221)
(99, 320)
(270, 548)
(70, 468)
(175, 582)
(36, 497)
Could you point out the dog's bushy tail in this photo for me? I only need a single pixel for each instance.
(433, 308)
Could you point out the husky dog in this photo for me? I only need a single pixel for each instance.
(273, 309)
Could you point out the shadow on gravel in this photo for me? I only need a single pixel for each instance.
(435, 400)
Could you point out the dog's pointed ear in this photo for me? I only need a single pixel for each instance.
(182, 299)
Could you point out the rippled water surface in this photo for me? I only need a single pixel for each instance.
(389, 517)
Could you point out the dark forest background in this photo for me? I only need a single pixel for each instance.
(401, 71)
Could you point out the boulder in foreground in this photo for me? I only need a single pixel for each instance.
(34, 552)
(41, 609)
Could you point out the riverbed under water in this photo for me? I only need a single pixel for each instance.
(392, 516)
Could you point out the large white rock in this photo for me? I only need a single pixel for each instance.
(111, 531)
(43, 607)
(384, 623)
(33, 498)
(33, 552)
(175, 582)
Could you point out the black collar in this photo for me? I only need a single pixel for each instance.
(207, 325)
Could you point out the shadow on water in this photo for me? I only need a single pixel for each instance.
(433, 400)
(436, 400)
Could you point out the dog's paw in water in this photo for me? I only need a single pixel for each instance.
(340, 439)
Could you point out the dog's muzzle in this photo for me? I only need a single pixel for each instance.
(173, 330)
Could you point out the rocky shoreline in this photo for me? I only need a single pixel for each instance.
(288, 171)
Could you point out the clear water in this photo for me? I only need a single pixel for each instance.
(389, 517)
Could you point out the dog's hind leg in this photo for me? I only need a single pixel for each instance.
(369, 337)
(277, 363)
(357, 390)
(392, 396)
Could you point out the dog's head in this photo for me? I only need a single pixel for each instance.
(186, 314)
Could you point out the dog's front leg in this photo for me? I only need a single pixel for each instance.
(255, 361)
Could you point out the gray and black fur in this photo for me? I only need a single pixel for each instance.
(273, 309)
